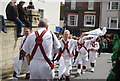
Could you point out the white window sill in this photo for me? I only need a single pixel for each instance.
(72, 25)
(89, 25)
(114, 9)
(114, 28)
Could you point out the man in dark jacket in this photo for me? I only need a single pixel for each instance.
(30, 6)
(22, 14)
(12, 14)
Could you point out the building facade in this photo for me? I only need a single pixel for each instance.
(110, 16)
(85, 15)
(81, 16)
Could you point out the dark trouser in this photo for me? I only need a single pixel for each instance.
(99, 51)
(19, 25)
(27, 23)
(2, 24)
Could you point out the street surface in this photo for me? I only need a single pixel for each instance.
(101, 72)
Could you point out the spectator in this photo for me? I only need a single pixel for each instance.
(111, 45)
(12, 14)
(108, 45)
(2, 24)
(100, 44)
(30, 6)
(22, 14)
(104, 44)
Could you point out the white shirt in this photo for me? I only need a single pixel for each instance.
(47, 44)
(96, 47)
(83, 50)
(71, 45)
(23, 38)
(86, 44)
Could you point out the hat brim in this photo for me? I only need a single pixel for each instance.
(22, 2)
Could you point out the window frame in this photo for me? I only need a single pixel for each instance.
(73, 7)
(110, 5)
(109, 22)
(76, 21)
(85, 21)
(89, 2)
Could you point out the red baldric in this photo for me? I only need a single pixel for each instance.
(39, 41)
(81, 45)
(66, 48)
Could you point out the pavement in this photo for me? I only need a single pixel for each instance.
(101, 72)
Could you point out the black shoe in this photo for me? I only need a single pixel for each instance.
(4, 30)
(15, 75)
(19, 35)
(27, 75)
(67, 78)
(62, 78)
(92, 71)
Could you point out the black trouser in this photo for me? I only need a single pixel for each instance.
(99, 51)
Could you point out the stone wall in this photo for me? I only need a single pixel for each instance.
(9, 46)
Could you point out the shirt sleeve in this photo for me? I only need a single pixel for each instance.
(74, 42)
(81, 40)
(94, 38)
(56, 42)
(26, 45)
(97, 46)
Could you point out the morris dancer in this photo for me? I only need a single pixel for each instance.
(22, 59)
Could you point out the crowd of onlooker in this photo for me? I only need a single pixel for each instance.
(18, 14)
(106, 44)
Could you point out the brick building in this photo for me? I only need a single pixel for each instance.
(81, 16)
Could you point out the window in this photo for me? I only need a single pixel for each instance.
(72, 20)
(113, 22)
(119, 24)
(89, 20)
(91, 5)
(113, 5)
(73, 4)
(41, 11)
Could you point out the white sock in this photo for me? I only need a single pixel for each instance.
(92, 69)
(79, 71)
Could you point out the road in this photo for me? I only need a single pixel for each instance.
(102, 69)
